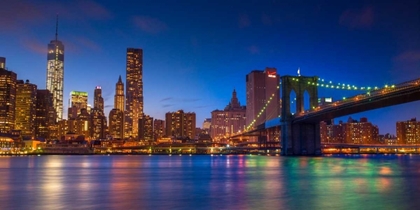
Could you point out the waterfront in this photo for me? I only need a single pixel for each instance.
(210, 182)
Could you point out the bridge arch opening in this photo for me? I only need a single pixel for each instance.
(293, 105)
(306, 101)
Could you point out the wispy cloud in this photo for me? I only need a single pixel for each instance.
(357, 18)
(166, 99)
(167, 105)
(266, 20)
(243, 21)
(253, 49)
(109, 106)
(149, 24)
(94, 10)
(34, 45)
(408, 56)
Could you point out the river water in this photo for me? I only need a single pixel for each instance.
(210, 182)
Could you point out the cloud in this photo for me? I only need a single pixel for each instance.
(94, 10)
(253, 49)
(87, 43)
(149, 24)
(244, 21)
(109, 106)
(266, 20)
(167, 105)
(406, 65)
(18, 14)
(166, 99)
(357, 18)
(34, 45)
(408, 56)
(200, 107)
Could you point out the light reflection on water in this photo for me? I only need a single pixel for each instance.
(209, 182)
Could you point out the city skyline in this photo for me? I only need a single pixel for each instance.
(186, 76)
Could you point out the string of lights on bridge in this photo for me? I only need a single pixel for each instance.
(342, 86)
(262, 110)
(323, 84)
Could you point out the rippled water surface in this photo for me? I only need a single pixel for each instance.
(209, 182)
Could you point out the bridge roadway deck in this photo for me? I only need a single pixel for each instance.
(360, 103)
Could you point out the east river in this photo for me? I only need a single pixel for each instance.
(210, 182)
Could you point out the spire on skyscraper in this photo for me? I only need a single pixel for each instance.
(56, 28)
(119, 79)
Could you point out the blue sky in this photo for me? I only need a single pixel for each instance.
(197, 52)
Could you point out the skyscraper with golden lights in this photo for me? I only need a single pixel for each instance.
(119, 95)
(78, 101)
(45, 114)
(134, 92)
(180, 124)
(25, 108)
(98, 101)
(408, 132)
(55, 73)
(7, 99)
(116, 115)
(260, 87)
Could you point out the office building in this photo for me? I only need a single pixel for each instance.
(158, 129)
(25, 112)
(180, 125)
(134, 92)
(119, 95)
(116, 124)
(55, 73)
(262, 89)
(146, 128)
(98, 124)
(229, 121)
(116, 115)
(45, 114)
(408, 132)
(98, 101)
(78, 101)
(7, 100)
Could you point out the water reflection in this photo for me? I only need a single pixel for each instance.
(209, 182)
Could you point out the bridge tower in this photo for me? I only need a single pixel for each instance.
(299, 138)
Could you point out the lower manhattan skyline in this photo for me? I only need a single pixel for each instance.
(193, 64)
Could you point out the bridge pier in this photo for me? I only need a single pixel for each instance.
(301, 139)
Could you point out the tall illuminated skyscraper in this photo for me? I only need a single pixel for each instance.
(134, 91)
(261, 86)
(55, 73)
(116, 115)
(7, 100)
(78, 101)
(25, 108)
(98, 102)
(119, 95)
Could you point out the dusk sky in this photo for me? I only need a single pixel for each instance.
(197, 52)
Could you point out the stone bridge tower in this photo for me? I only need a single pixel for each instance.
(299, 138)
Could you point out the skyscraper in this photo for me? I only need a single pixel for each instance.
(134, 91)
(55, 73)
(25, 108)
(180, 124)
(78, 101)
(116, 115)
(7, 100)
(260, 87)
(119, 95)
(229, 121)
(146, 128)
(45, 114)
(98, 101)
(158, 129)
(408, 132)
(2, 62)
